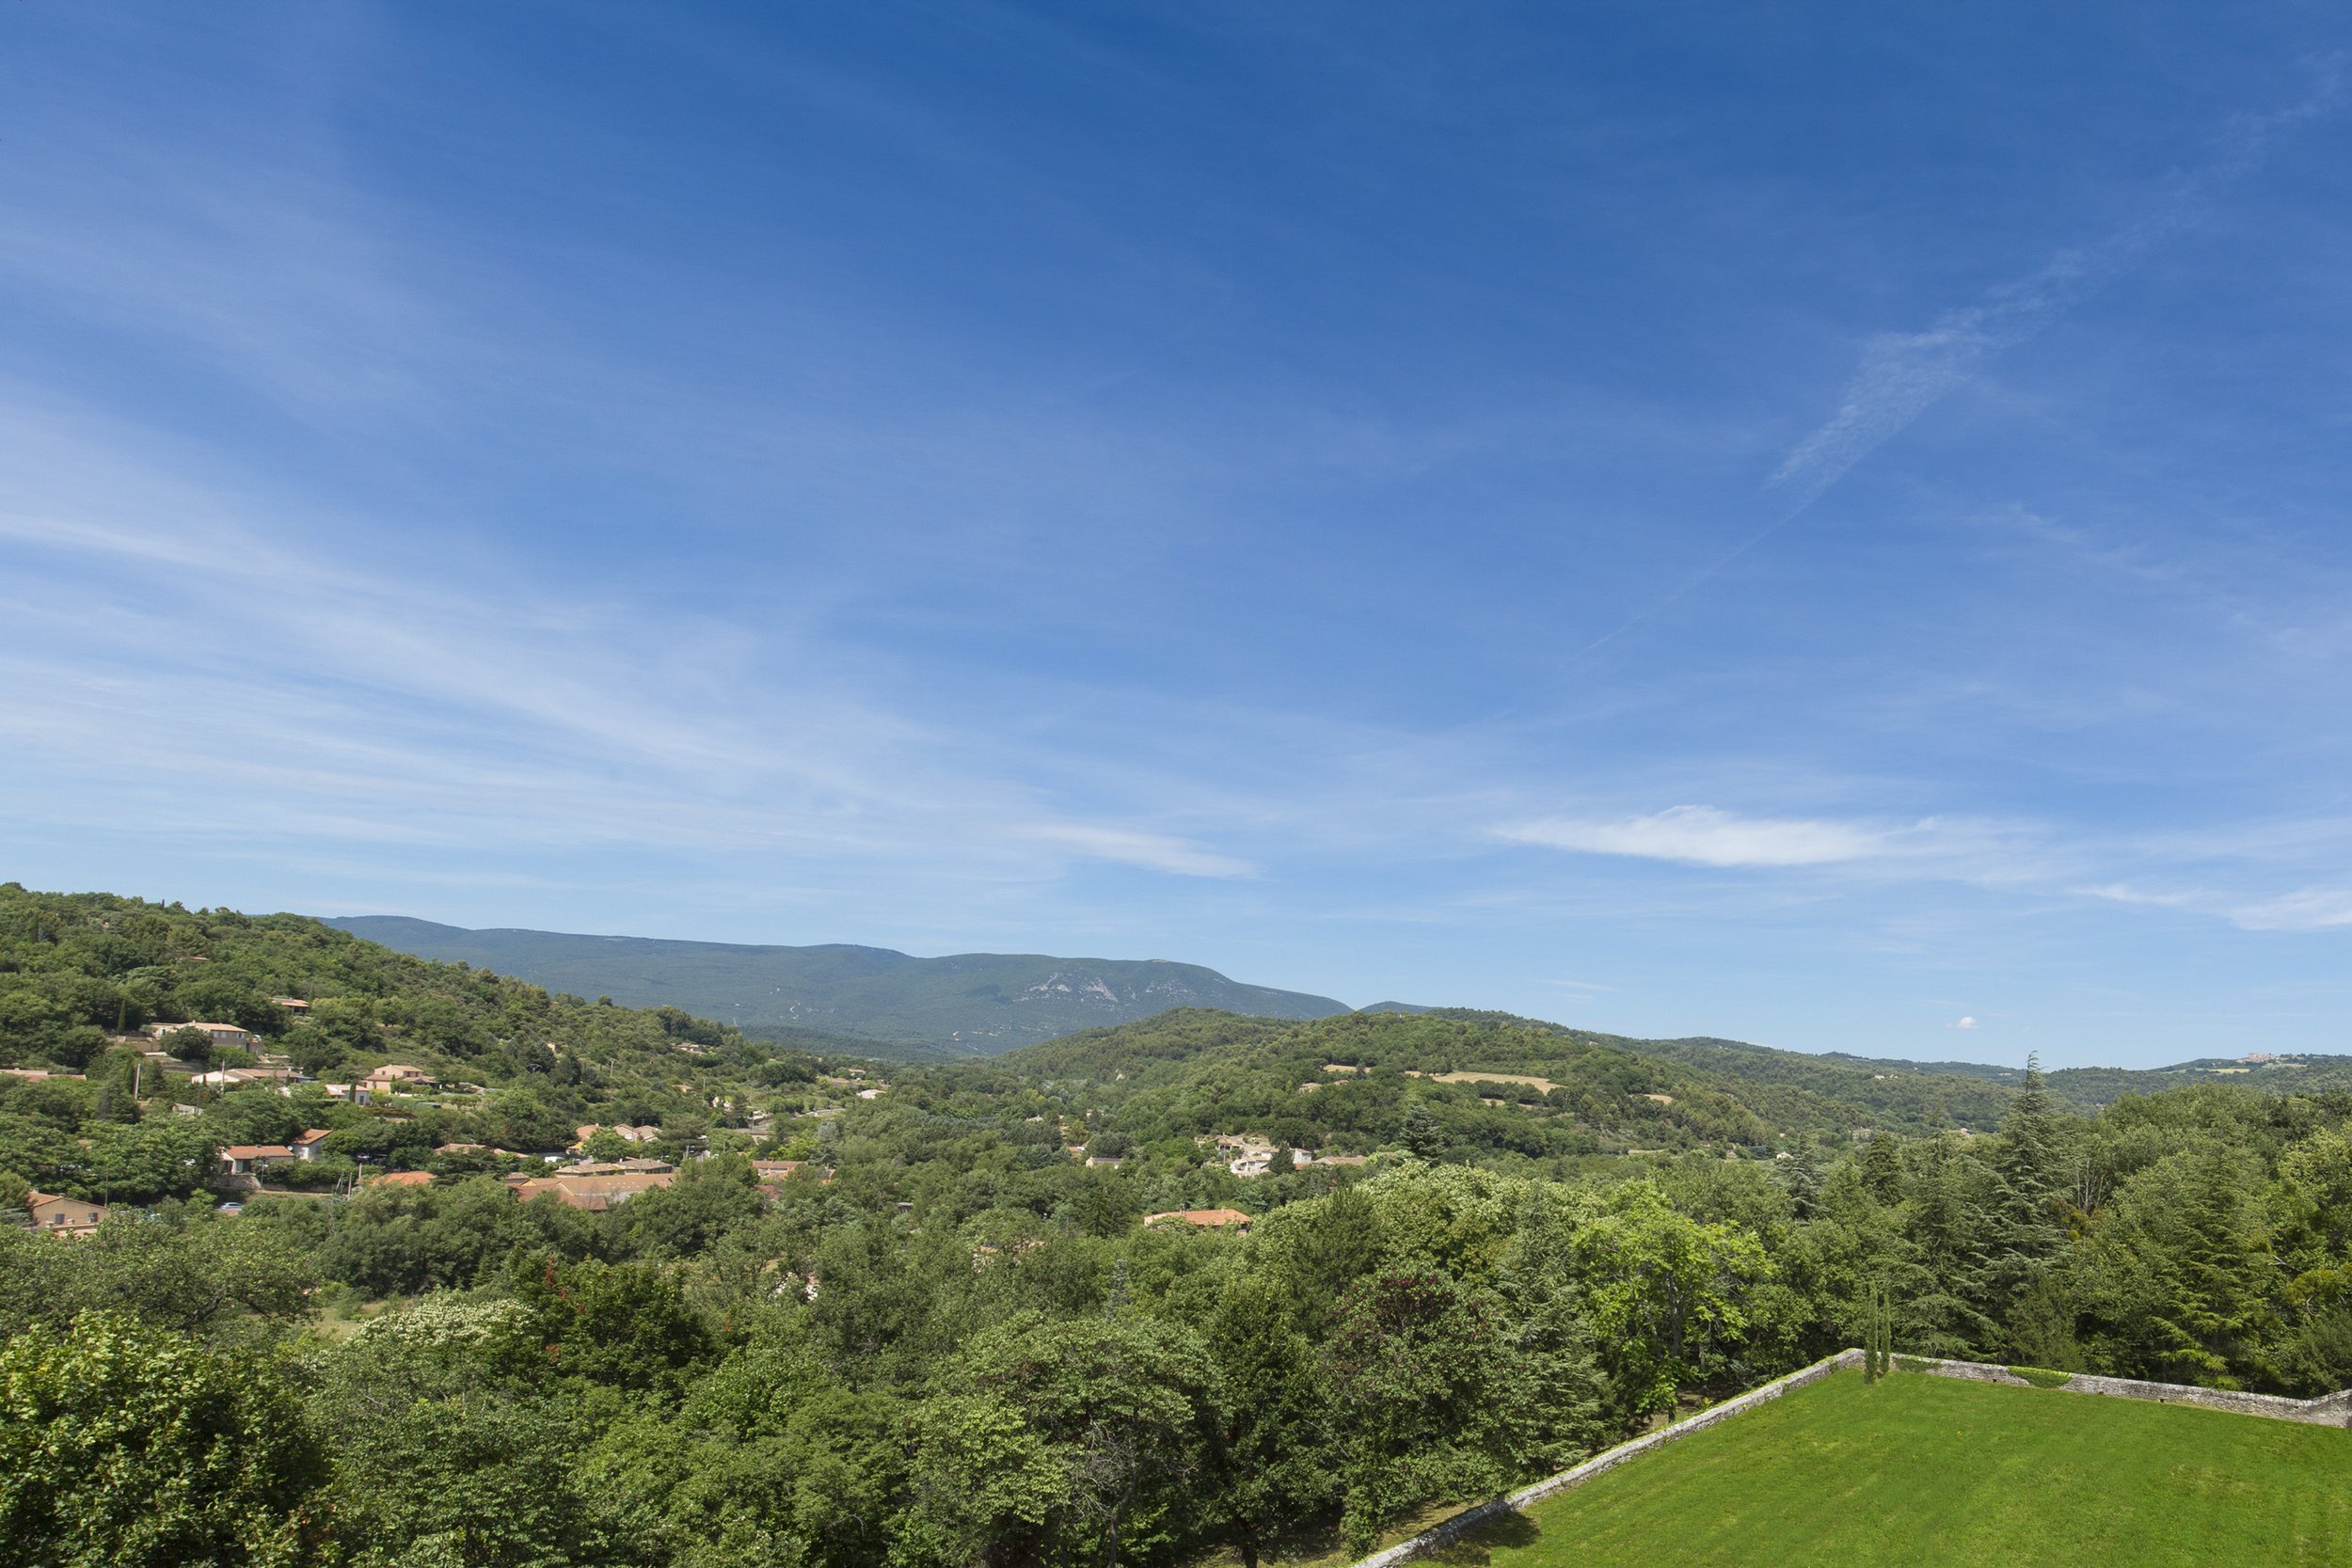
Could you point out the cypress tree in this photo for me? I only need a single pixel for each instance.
(1878, 1333)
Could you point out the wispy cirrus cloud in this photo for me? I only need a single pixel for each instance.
(2306, 908)
(1902, 375)
(1703, 835)
(306, 688)
(1149, 850)
(2040, 860)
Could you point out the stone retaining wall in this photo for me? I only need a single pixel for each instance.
(2333, 1410)
(2327, 1410)
(1469, 1519)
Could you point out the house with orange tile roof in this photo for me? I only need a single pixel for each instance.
(54, 1215)
(592, 1194)
(252, 1159)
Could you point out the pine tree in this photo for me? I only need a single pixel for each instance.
(1950, 1219)
(2022, 1234)
(1882, 1168)
(1422, 1133)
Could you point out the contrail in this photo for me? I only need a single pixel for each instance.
(1903, 374)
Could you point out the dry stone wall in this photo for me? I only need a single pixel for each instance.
(1469, 1519)
(2331, 1410)
(2327, 1410)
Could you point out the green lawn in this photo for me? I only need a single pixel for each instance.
(1919, 1471)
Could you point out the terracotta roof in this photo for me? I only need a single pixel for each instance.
(257, 1151)
(313, 1135)
(403, 1178)
(594, 1194)
(36, 1200)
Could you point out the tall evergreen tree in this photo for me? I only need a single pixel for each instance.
(1882, 1168)
(2022, 1235)
(1949, 1213)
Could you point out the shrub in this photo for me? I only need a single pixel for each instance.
(2042, 1377)
(311, 1176)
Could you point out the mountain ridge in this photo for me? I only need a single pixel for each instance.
(839, 998)
(975, 1004)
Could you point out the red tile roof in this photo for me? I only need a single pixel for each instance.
(594, 1194)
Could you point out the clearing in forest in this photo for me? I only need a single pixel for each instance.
(1544, 1084)
(1929, 1472)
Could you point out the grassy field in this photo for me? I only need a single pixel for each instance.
(1928, 1472)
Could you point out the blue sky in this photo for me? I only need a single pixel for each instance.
(1815, 525)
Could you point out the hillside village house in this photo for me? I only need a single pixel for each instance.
(398, 1078)
(253, 1158)
(308, 1147)
(223, 1033)
(593, 1194)
(626, 1133)
(237, 1077)
(64, 1216)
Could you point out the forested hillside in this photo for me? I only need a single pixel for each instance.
(520, 1069)
(946, 1341)
(1480, 1083)
(967, 1003)
(1147, 1295)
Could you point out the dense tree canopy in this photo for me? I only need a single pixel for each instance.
(945, 1339)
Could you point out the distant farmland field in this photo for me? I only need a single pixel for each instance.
(1928, 1472)
(1544, 1084)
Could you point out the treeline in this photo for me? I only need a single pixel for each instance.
(946, 1342)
